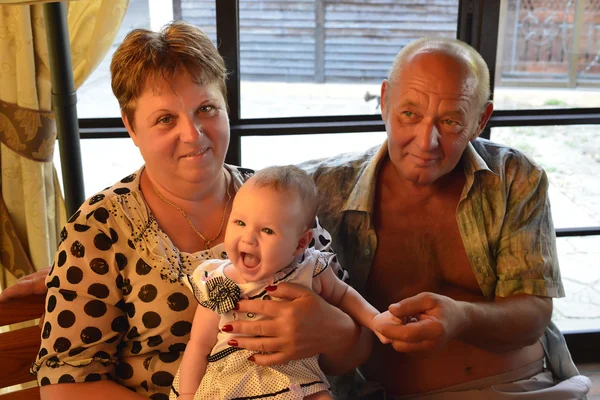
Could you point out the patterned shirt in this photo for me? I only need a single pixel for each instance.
(503, 217)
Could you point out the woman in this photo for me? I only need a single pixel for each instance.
(118, 316)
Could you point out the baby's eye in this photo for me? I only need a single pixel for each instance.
(268, 231)
(240, 223)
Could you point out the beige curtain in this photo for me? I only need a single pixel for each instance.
(31, 205)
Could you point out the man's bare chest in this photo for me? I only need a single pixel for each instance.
(418, 252)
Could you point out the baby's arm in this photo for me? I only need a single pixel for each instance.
(345, 297)
(205, 329)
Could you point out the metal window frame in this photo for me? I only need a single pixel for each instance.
(473, 17)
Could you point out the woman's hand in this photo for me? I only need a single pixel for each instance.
(300, 326)
(28, 285)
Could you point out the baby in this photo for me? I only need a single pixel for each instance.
(267, 239)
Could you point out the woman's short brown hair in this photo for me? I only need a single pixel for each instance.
(146, 55)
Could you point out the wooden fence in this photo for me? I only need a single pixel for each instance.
(356, 40)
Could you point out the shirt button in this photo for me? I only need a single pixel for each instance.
(367, 252)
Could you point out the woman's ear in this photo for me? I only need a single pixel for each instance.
(129, 127)
(303, 242)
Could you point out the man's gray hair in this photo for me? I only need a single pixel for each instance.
(455, 48)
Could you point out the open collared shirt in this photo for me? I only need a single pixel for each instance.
(503, 217)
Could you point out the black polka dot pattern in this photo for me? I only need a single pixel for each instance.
(178, 302)
(116, 297)
(66, 319)
(74, 275)
(99, 266)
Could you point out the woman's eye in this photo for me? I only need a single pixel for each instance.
(165, 120)
(268, 231)
(240, 223)
(206, 109)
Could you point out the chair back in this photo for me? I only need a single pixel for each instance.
(19, 347)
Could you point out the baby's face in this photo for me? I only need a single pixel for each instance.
(263, 232)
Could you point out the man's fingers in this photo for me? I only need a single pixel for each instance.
(412, 306)
(407, 347)
(414, 332)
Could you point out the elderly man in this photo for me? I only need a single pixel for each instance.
(454, 233)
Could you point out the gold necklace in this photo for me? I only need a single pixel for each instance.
(206, 241)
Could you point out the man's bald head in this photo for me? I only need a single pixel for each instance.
(457, 50)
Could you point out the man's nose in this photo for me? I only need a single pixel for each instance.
(427, 136)
(191, 129)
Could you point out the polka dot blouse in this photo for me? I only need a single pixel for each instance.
(116, 306)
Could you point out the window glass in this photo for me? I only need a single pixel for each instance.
(548, 54)
(104, 162)
(95, 97)
(571, 157)
(317, 57)
(580, 309)
(261, 151)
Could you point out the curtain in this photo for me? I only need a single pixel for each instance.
(31, 206)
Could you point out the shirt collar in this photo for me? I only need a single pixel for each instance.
(362, 196)
(472, 161)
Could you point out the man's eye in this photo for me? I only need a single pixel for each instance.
(450, 122)
(240, 223)
(268, 231)
(408, 113)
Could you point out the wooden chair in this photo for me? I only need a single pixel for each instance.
(19, 347)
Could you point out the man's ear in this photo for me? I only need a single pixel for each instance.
(385, 86)
(129, 128)
(483, 119)
(303, 242)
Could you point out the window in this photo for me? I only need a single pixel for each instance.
(305, 77)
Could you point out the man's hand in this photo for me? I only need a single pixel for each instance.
(299, 326)
(438, 319)
(28, 285)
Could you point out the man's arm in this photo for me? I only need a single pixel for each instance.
(502, 325)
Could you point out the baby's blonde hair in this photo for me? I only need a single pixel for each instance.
(290, 179)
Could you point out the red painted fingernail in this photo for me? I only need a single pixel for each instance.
(233, 343)
(236, 307)
(227, 328)
(251, 358)
(271, 288)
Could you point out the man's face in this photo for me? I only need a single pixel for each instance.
(430, 116)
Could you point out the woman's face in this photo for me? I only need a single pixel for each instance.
(182, 131)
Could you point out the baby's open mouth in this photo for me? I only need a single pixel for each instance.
(249, 260)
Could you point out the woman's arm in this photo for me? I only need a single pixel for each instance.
(100, 390)
(205, 329)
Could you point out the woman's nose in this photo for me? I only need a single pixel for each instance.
(191, 130)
